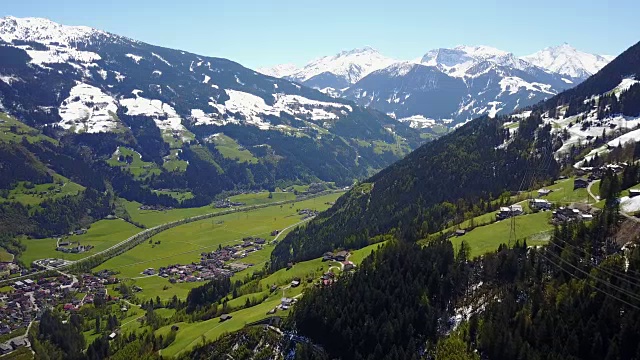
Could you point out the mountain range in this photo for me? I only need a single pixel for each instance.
(248, 130)
(445, 87)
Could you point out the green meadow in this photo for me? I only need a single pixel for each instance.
(102, 235)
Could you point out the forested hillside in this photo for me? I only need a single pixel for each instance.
(577, 298)
(443, 180)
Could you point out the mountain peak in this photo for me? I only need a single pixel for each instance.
(569, 61)
(42, 30)
(358, 51)
(278, 71)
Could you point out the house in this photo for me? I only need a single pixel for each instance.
(565, 214)
(634, 192)
(225, 317)
(328, 256)
(544, 192)
(275, 232)
(286, 301)
(260, 241)
(586, 217)
(509, 211)
(112, 336)
(348, 265)
(295, 282)
(341, 256)
(460, 232)
(17, 342)
(580, 183)
(5, 348)
(539, 204)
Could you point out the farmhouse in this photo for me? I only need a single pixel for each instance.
(544, 192)
(460, 232)
(580, 183)
(539, 204)
(225, 317)
(341, 256)
(509, 211)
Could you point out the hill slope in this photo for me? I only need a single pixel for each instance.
(463, 171)
(170, 105)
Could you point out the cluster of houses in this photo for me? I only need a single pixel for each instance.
(69, 248)
(339, 256)
(307, 213)
(226, 203)
(506, 212)
(193, 272)
(214, 264)
(568, 214)
(155, 207)
(10, 268)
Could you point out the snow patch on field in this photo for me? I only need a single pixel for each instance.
(624, 85)
(609, 125)
(164, 115)
(88, 109)
(513, 84)
(418, 121)
(135, 58)
(630, 205)
(243, 107)
(9, 79)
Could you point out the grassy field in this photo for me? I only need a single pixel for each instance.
(230, 149)
(102, 234)
(563, 193)
(183, 244)
(484, 239)
(152, 217)
(5, 256)
(191, 334)
(12, 130)
(263, 198)
(178, 195)
(137, 167)
(37, 193)
(172, 162)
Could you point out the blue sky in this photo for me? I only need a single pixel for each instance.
(268, 32)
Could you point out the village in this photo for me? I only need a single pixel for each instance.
(215, 264)
(29, 298)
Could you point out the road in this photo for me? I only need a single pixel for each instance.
(292, 226)
(166, 226)
(597, 198)
(594, 197)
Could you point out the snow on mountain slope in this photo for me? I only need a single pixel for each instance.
(88, 109)
(351, 65)
(164, 115)
(567, 60)
(254, 110)
(44, 31)
(279, 71)
(490, 80)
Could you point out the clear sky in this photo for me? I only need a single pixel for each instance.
(267, 32)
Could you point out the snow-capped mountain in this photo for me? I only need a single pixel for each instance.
(279, 71)
(567, 60)
(452, 86)
(335, 72)
(90, 81)
(449, 86)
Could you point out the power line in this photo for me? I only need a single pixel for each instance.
(617, 275)
(585, 253)
(617, 288)
(591, 285)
